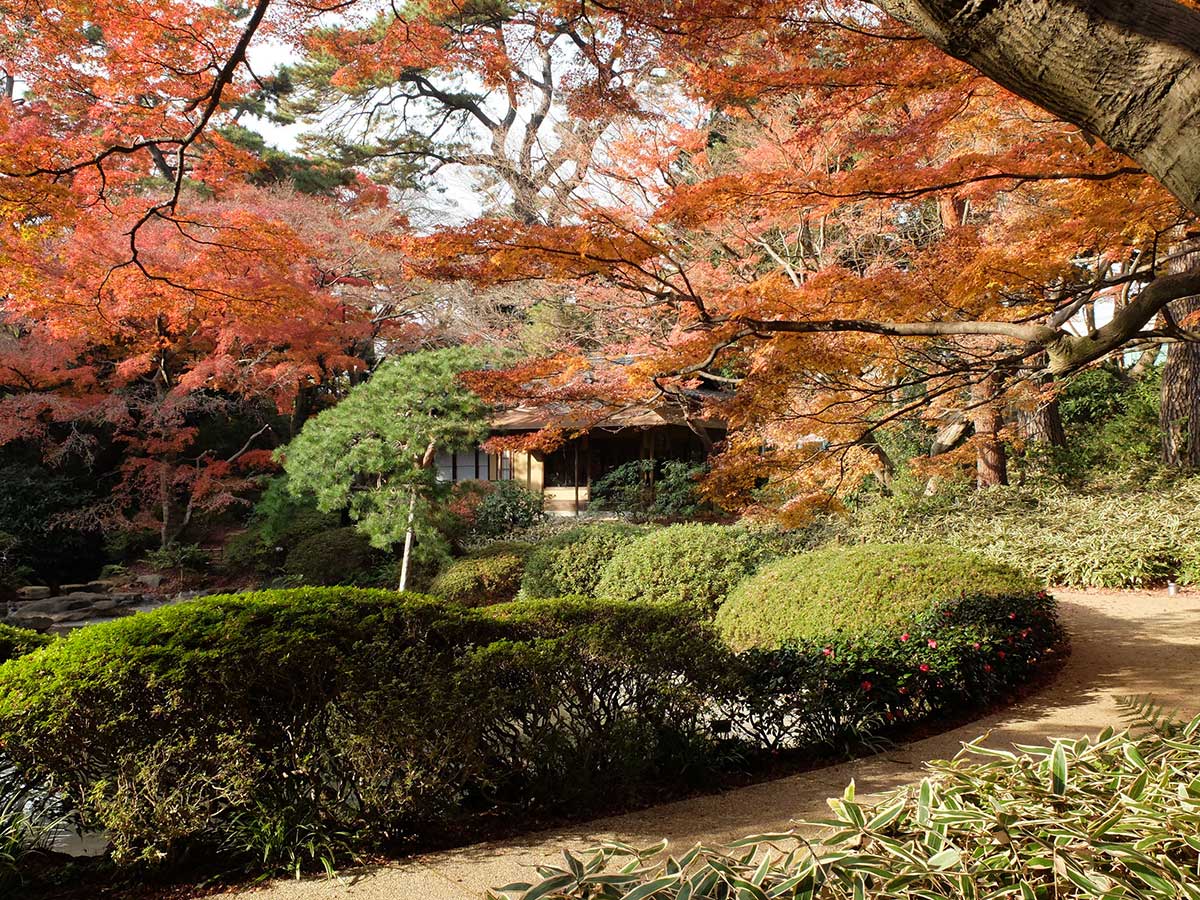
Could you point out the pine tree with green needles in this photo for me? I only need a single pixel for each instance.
(373, 453)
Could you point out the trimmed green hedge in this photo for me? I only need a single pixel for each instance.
(240, 724)
(16, 642)
(853, 591)
(483, 577)
(858, 637)
(570, 563)
(283, 729)
(694, 564)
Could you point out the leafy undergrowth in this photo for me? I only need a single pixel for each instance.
(1115, 816)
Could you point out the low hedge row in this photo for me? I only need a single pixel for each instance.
(221, 724)
(286, 727)
(861, 590)
(692, 563)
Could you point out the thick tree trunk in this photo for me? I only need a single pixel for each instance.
(991, 466)
(1180, 412)
(1127, 71)
(1044, 425)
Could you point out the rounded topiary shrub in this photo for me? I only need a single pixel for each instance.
(570, 563)
(337, 556)
(845, 641)
(484, 577)
(694, 564)
(859, 590)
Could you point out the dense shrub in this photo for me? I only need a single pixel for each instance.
(16, 642)
(284, 728)
(857, 591)
(279, 522)
(504, 507)
(694, 564)
(337, 556)
(1111, 538)
(838, 643)
(489, 575)
(1112, 816)
(178, 557)
(629, 489)
(227, 722)
(570, 563)
(33, 504)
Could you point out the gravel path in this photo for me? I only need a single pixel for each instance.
(1129, 642)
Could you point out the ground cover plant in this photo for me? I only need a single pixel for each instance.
(1109, 817)
(1111, 536)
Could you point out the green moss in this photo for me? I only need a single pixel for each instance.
(850, 591)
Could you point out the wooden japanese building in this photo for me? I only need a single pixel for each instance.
(565, 475)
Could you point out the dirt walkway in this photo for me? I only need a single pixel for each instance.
(1124, 643)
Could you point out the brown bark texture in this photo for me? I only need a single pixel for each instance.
(1127, 71)
(1180, 411)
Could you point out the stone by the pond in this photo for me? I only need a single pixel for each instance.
(89, 596)
(152, 581)
(102, 585)
(191, 595)
(126, 598)
(33, 592)
(72, 588)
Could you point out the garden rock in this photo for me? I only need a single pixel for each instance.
(33, 592)
(152, 581)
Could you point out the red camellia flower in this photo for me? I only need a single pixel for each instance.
(828, 651)
(1000, 654)
(904, 637)
(987, 667)
(976, 645)
(924, 667)
(1041, 595)
(904, 690)
(933, 645)
(1012, 615)
(866, 685)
